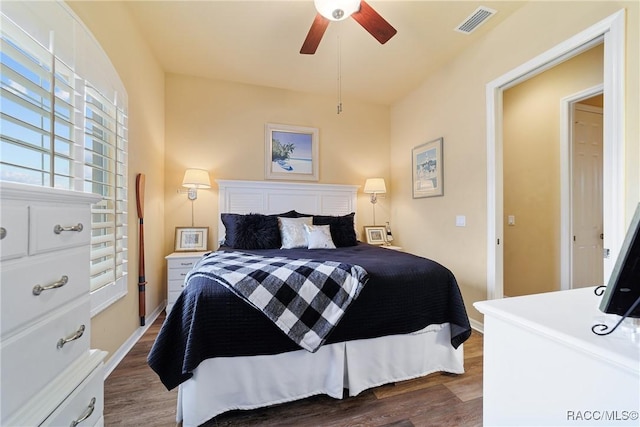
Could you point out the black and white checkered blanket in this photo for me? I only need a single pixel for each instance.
(305, 298)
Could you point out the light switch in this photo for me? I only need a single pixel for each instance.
(511, 220)
(461, 221)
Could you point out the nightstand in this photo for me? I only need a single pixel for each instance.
(178, 265)
(395, 248)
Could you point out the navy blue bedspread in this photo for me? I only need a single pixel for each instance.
(405, 293)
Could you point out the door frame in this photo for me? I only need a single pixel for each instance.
(612, 31)
(566, 178)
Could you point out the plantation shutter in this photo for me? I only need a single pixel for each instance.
(100, 143)
(105, 174)
(37, 116)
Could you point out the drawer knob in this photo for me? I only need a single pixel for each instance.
(77, 334)
(37, 289)
(86, 414)
(59, 229)
(3, 233)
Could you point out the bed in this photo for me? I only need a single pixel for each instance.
(405, 320)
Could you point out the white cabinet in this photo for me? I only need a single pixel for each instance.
(544, 366)
(178, 265)
(49, 374)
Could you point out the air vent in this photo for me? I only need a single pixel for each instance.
(476, 19)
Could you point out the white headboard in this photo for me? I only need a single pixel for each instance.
(271, 197)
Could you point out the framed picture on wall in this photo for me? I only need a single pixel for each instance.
(375, 235)
(291, 152)
(428, 169)
(192, 239)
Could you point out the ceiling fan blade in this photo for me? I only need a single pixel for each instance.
(375, 24)
(318, 27)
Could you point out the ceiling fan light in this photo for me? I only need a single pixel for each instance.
(337, 10)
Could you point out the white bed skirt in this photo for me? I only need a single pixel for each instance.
(222, 384)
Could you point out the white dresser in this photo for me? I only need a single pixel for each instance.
(178, 265)
(543, 366)
(48, 373)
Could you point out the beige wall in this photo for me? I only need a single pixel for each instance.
(144, 81)
(220, 126)
(451, 104)
(531, 153)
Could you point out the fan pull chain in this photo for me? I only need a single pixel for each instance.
(339, 108)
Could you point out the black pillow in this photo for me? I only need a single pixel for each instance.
(343, 232)
(296, 214)
(253, 231)
(289, 214)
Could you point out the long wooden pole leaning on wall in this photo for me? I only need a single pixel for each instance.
(141, 279)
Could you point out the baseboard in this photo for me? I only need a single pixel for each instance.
(477, 325)
(126, 347)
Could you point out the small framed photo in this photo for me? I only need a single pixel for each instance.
(291, 152)
(427, 169)
(375, 235)
(192, 239)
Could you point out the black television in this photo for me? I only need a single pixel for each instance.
(622, 294)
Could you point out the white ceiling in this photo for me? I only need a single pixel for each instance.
(258, 42)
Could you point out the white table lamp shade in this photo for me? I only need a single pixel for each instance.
(196, 178)
(375, 185)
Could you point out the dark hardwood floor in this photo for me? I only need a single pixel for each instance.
(134, 396)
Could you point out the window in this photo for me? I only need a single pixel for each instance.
(64, 125)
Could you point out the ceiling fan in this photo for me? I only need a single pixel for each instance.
(338, 10)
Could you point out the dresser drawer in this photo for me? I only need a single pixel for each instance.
(182, 263)
(86, 403)
(176, 274)
(176, 285)
(74, 221)
(14, 237)
(19, 279)
(31, 358)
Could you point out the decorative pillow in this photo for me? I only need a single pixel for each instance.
(292, 232)
(296, 214)
(343, 231)
(319, 237)
(252, 231)
(290, 214)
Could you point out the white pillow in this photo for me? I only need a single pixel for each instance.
(292, 232)
(319, 237)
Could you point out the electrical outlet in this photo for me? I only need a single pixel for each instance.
(461, 221)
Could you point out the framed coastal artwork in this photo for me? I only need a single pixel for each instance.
(191, 238)
(427, 169)
(291, 152)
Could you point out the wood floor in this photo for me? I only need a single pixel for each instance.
(134, 396)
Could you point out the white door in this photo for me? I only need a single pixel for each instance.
(587, 225)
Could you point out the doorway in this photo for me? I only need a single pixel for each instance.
(587, 228)
(532, 168)
(611, 32)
